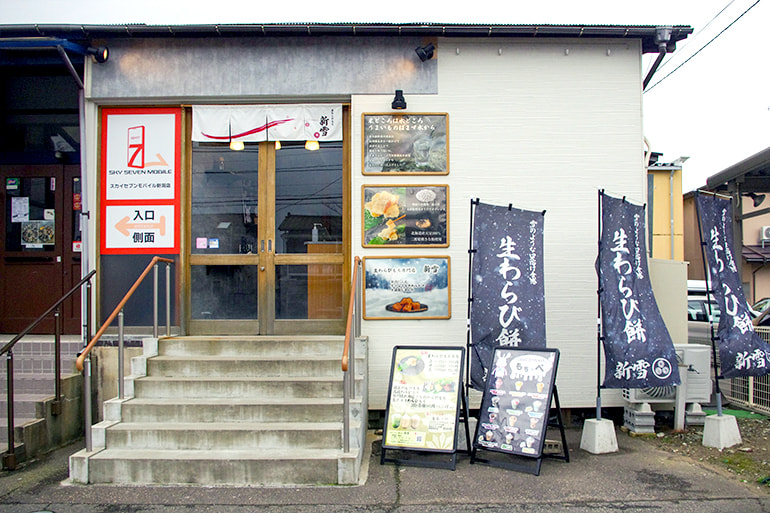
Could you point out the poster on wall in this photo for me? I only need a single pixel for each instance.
(423, 401)
(405, 144)
(405, 215)
(140, 180)
(406, 288)
(516, 402)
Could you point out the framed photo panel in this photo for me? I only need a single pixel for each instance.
(405, 215)
(406, 288)
(405, 144)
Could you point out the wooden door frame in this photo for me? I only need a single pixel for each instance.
(266, 322)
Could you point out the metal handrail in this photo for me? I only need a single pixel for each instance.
(83, 361)
(9, 458)
(84, 353)
(352, 331)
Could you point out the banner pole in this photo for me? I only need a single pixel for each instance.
(599, 312)
(468, 342)
(708, 306)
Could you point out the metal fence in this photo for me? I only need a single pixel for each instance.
(750, 392)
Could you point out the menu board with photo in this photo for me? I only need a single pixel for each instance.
(405, 144)
(513, 417)
(424, 398)
(405, 215)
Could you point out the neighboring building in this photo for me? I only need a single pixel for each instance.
(748, 183)
(540, 117)
(664, 207)
(668, 271)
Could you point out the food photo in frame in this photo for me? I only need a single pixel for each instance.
(405, 215)
(405, 144)
(406, 288)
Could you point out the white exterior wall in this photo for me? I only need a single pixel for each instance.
(542, 125)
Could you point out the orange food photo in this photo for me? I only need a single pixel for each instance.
(407, 305)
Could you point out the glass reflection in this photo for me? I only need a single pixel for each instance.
(311, 291)
(308, 196)
(223, 292)
(224, 200)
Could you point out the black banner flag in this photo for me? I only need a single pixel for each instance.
(638, 349)
(508, 307)
(741, 351)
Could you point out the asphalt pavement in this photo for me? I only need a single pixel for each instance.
(637, 478)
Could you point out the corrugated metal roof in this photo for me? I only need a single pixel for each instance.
(753, 173)
(756, 253)
(647, 33)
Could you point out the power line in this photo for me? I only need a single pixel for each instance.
(703, 47)
(701, 31)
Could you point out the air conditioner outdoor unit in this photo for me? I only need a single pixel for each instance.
(764, 234)
(696, 360)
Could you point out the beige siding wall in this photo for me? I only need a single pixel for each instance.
(667, 187)
(542, 125)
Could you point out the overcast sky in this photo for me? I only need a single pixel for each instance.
(714, 109)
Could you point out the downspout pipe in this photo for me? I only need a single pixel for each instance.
(84, 214)
(662, 38)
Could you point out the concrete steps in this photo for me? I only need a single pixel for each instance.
(218, 467)
(240, 366)
(209, 410)
(36, 428)
(229, 387)
(224, 435)
(230, 411)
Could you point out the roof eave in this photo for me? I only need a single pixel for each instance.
(756, 163)
(646, 33)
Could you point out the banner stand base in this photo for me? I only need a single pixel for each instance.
(599, 436)
(721, 431)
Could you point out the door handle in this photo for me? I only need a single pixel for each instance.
(261, 268)
(262, 245)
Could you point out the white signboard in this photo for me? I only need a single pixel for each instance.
(135, 227)
(140, 162)
(140, 180)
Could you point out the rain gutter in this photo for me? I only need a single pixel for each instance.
(648, 34)
(662, 39)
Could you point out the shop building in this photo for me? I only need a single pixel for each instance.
(265, 238)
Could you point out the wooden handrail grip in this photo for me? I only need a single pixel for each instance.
(82, 357)
(351, 306)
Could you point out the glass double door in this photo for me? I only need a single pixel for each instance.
(266, 239)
